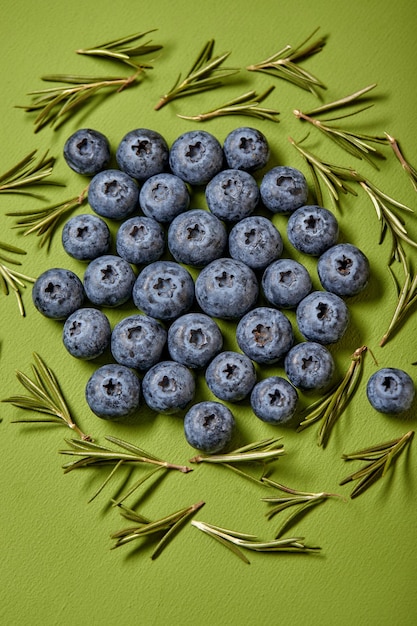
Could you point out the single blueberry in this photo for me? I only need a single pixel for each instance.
(113, 392)
(312, 229)
(168, 387)
(86, 333)
(194, 339)
(108, 281)
(226, 288)
(209, 426)
(323, 317)
(285, 283)
(246, 149)
(264, 335)
(113, 194)
(196, 156)
(85, 237)
(255, 241)
(283, 189)
(138, 341)
(232, 195)
(343, 269)
(196, 238)
(309, 365)
(87, 151)
(57, 293)
(230, 376)
(163, 197)
(140, 240)
(274, 400)
(142, 153)
(390, 390)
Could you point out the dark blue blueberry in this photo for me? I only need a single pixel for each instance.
(113, 392)
(87, 152)
(232, 195)
(312, 229)
(323, 317)
(274, 400)
(255, 241)
(85, 237)
(194, 339)
(108, 281)
(390, 390)
(142, 153)
(285, 283)
(57, 293)
(264, 335)
(209, 426)
(343, 269)
(113, 194)
(246, 149)
(196, 156)
(163, 197)
(196, 238)
(138, 341)
(164, 290)
(283, 189)
(226, 288)
(230, 376)
(309, 365)
(168, 387)
(86, 333)
(140, 240)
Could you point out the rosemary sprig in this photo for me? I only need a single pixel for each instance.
(283, 64)
(28, 173)
(45, 397)
(407, 167)
(55, 104)
(10, 279)
(120, 50)
(331, 406)
(204, 74)
(378, 460)
(247, 104)
(236, 541)
(168, 525)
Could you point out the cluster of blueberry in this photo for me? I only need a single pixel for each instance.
(237, 252)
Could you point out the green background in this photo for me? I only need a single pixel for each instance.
(57, 567)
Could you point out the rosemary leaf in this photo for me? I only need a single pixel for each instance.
(340, 103)
(10, 279)
(119, 50)
(28, 173)
(262, 451)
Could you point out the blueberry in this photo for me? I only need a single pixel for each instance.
(209, 426)
(87, 152)
(196, 156)
(138, 341)
(164, 196)
(108, 281)
(309, 365)
(255, 241)
(140, 240)
(113, 194)
(196, 238)
(232, 195)
(168, 387)
(274, 400)
(323, 317)
(264, 335)
(230, 376)
(246, 149)
(85, 237)
(57, 293)
(285, 283)
(343, 269)
(142, 153)
(194, 339)
(164, 290)
(312, 229)
(226, 288)
(283, 189)
(113, 392)
(86, 333)
(390, 390)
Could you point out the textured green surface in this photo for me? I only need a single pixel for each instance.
(56, 564)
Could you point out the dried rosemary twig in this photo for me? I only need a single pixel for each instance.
(407, 167)
(10, 279)
(28, 173)
(124, 49)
